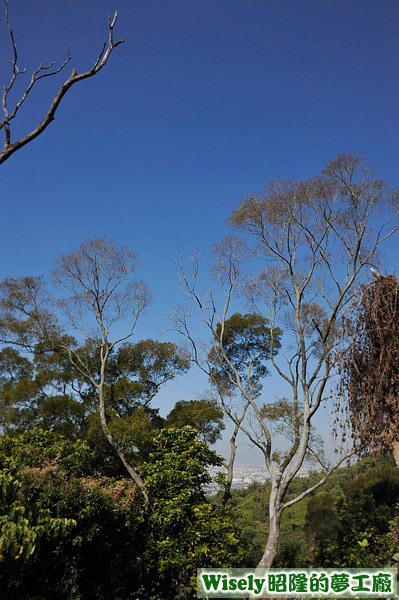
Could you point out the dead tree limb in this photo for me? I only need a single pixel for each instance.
(41, 72)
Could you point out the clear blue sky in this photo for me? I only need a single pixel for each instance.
(204, 101)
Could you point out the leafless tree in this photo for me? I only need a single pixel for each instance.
(312, 240)
(41, 72)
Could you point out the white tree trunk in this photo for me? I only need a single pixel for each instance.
(274, 531)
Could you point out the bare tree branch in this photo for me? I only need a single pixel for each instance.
(313, 488)
(41, 72)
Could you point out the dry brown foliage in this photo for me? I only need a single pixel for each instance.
(370, 368)
(121, 492)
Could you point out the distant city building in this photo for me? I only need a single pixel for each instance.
(244, 475)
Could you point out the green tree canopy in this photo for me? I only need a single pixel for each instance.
(203, 414)
(246, 343)
(107, 542)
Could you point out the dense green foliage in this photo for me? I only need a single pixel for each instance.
(246, 344)
(73, 526)
(94, 555)
(44, 390)
(185, 531)
(356, 534)
(99, 540)
(351, 521)
(203, 414)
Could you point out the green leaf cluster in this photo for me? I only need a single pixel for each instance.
(247, 344)
(185, 530)
(86, 535)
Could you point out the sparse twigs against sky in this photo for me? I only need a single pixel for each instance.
(311, 241)
(369, 368)
(41, 72)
